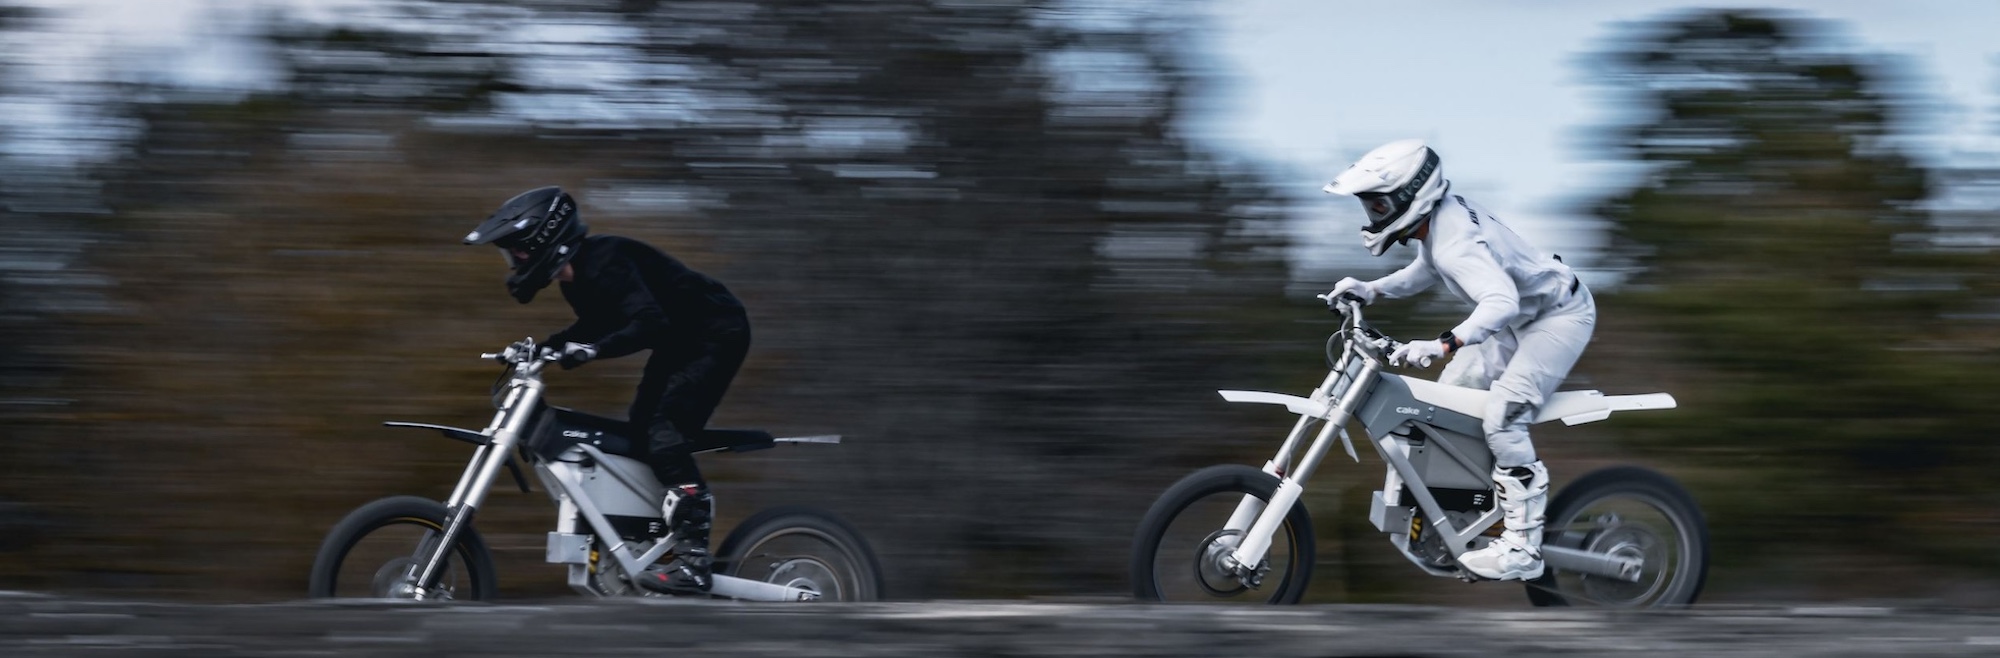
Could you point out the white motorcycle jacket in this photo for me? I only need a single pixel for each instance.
(1508, 282)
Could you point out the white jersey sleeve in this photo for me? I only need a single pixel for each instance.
(1485, 264)
(1414, 278)
(1477, 277)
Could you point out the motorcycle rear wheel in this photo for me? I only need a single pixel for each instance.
(1633, 512)
(805, 548)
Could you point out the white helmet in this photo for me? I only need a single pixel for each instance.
(1398, 184)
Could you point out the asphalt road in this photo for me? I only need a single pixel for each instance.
(35, 626)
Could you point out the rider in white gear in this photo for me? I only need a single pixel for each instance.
(1531, 319)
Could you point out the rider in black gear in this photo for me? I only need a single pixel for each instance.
(629, 296)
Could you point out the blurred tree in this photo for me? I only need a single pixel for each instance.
(13, 19)
(1841, 401)
(23, 330)
(994, 238)
(11, 16)
(970, 236)
(242, 234)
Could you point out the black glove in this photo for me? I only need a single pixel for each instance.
(575, 354)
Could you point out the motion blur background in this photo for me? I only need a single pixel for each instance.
(1008, 249)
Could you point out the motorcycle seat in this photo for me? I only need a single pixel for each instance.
(563, 428)
(1570, 407)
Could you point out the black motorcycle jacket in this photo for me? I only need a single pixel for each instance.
(629, 296)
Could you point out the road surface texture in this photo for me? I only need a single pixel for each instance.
(35, 626)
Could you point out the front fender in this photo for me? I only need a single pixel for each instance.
(458, 433)
(1296, 404)
(474, 438)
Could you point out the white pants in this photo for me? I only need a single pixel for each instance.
(1522, 367)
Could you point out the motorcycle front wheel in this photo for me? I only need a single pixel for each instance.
(805, 548)
(1634, 513)
(377, 550)
(1177, 555)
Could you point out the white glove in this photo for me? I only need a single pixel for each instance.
(1363, 289)
(1418, 353)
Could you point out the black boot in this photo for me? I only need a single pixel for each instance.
(688, 509)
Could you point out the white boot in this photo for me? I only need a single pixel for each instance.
(1523, 493)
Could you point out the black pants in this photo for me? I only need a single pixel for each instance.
(680, 390)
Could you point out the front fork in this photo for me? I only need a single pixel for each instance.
(474, 484)
(1262, 519)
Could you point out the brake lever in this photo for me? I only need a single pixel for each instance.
(1336, 304)
(515, 352)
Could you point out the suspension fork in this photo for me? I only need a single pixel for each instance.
(477, 480)
(1248, 508)
(1250, 554)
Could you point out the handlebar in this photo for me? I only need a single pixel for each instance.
(523, 351)
(1346, 298)
(1348, 305)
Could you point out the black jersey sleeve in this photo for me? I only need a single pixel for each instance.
(647, 321)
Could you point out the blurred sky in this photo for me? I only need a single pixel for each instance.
(1498, 87)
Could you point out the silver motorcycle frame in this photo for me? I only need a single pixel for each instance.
(563, 480)
(1356, 379)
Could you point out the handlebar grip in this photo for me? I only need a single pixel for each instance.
(1343, 303)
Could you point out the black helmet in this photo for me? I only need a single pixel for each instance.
(541, 224)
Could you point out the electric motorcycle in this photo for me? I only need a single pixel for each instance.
(608, 526)
(1619, 537)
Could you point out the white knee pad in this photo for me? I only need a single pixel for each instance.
(1506, 426)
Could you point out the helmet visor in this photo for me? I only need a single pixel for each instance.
(532, 271)
(1382, 209)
